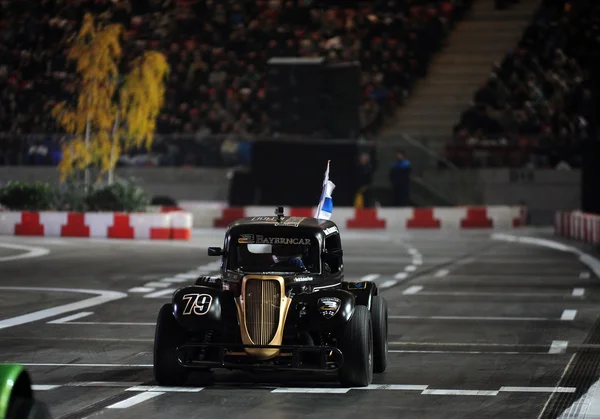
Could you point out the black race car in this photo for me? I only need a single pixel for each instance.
(280, 303)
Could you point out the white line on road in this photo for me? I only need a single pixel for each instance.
(156, 285)
(188, 275)
(388, 284)
(140, 289)
(103, 296)
(413, 251)
(311, 390)
(137, 399)
(370, 277)
(31, 252)
(410, 268)
(585, 275)
(412, 290)
(417, 261)
(76, 316)
(113, 323)
(51, 364)
(558, 347)
(161, 293)
(568, 315)
(538, 389)
(175, 279)
(475, 318)
(578, 292)
(166, 389)
(441, 273)
(401, 275)
(43, 387)
(461, 392)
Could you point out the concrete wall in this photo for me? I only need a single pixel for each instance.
(543, 191)
(176, 182)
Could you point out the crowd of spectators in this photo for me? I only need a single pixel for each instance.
(217, 50)
(538, 105)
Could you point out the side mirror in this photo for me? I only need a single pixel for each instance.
(215, 251)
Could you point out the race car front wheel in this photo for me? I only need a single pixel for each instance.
(356, 344)
(168, 336)
(379, 316)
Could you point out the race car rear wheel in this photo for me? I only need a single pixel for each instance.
(356, 344)
(379, 317)
(168, 336)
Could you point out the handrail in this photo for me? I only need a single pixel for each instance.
(434, 191)
(429, 151)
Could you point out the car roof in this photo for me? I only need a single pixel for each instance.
(272, 222)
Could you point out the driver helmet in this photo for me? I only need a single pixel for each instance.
(284, 253)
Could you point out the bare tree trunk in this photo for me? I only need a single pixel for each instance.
(87, 146)
(111, 171)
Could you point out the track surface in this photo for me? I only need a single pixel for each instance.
(478, 329)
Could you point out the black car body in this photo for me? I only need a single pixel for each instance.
(280, 303)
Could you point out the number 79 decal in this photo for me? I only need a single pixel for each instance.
(197, 304)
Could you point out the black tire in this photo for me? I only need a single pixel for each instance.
(379, 318)
(356, 344)
(27, 408)
(168, 336)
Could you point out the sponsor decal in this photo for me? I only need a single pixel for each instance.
(357, 285)
(258, 239)
(262, 218)
(303, 278)
(330, 230)
(246, 238)
(329, 306)
(291, 222)
(197, 304)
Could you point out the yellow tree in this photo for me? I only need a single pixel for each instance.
(141, 98)
(97, 52)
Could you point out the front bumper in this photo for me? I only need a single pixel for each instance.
(233, 356)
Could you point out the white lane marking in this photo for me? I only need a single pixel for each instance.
(413, 251)
(498, 294)
(56, 364)
(401, 275)
(137, 399)
(558, 347)
(408, 387)
(140, 289)
(76, 316)
(412, 290)
(388, 284)
(461, 392)
(476, 318)
(161, 293)
(175, 279)
(417, 261)
(441, 273)
(156, 285)
(414, 351)
(311, 390)
(43, 387)
(588, 260)
(188, 275)
(410, 268)
(538, 389)
(584, 275)
(578, 292)
(370, 277)
(103, 296)
(166, 389)
(568, 315)
(31, 252)
(113, 323)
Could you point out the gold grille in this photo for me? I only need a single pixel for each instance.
(263, 303)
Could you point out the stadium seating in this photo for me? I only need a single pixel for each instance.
(537, 106)
(217, 51)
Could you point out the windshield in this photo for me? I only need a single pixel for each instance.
(256, 253)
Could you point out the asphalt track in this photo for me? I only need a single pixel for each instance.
(479, 328)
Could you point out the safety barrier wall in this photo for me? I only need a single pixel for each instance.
(577, 225)
(107, 225)
(210, 215)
